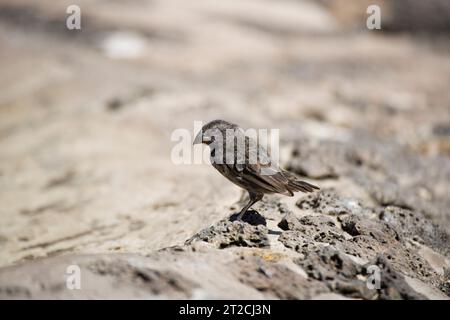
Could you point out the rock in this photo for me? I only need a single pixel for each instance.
(425, 290)
(238, 233)
(393, 285)
(277, 281)
(330, 296)
(396, 16)
(413, 225)
(338, 271)
(101, 277)
(360, 240)
(297, 241)
(357, 225)
(213, 274)
(436, 261)
(327, 201)
(389, 174)
(324, 259)
(445, 285)
(311, 228)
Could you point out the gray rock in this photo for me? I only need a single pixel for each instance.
(412, 224)
(238, 233)
(357, 225)
(316, 228)
(327, 201)
(101, 277)
(337, 270)
(393, 285)
(277, 281)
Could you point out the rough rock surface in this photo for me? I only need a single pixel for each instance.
(226, 233)
(87, 176)
(307, 257)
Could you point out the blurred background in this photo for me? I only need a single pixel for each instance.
(86, 115)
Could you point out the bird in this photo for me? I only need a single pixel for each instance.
(247, 164)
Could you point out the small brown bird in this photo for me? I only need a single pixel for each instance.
(246, 163)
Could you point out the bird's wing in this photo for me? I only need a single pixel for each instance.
(267, 178)
(253, 164)
(250, 166)
(263, 172)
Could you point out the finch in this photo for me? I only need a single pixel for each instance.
(246, 163)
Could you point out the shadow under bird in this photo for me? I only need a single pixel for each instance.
(246, 163)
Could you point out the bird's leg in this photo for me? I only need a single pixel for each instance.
(254, 197)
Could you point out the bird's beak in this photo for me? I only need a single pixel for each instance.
(199, 138)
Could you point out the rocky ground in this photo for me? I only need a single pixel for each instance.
(86, 175)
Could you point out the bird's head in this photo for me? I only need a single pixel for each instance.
(212, 130)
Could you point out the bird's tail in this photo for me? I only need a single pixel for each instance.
(295, 184)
